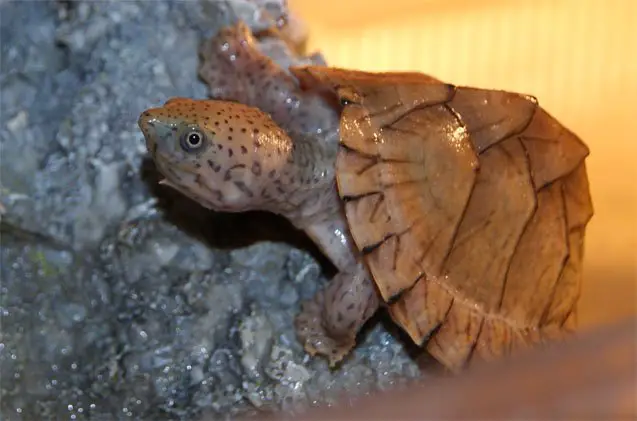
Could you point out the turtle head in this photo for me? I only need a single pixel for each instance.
(223, 154)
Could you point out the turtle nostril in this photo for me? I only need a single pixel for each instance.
(145, 121)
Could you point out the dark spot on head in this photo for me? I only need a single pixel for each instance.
(343, 295)
(228, 174)
(244, 150)
(272, 173)
(244, 189)
(230, 153)
(243, 130)
(229, 137)
(256, 168)
(255, 131)
(212, 165)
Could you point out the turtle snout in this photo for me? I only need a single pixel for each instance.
(158, 135)
(146, 122)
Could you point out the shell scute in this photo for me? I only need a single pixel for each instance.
(469, 205)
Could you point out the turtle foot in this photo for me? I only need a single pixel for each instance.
(315, 338)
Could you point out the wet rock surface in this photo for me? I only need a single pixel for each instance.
(122, 299)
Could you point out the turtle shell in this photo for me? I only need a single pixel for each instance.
(469, 207)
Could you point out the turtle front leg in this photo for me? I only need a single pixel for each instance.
(329, 322)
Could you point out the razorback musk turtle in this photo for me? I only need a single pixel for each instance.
(461, 210)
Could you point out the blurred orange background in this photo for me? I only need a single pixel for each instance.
(578, 57)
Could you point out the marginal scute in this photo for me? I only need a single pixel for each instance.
(579, 207)
(492, 337)
(562, 310)
(422, 309)
(358, 177)
(553, 150)
(455, 340)
(538, 261)
(390, 261)
(564, 298)
(372, 209)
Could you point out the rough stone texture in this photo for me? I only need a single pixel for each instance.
(121, 299)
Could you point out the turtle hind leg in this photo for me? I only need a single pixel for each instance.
(329, 322)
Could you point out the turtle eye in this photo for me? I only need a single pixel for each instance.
(192, 140)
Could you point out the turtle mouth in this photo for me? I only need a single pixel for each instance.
(187, 181)
(175, 171)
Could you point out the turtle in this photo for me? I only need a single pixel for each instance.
(459, 210)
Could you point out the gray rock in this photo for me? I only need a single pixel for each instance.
(120, 298)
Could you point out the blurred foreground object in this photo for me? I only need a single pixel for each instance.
(590, 377)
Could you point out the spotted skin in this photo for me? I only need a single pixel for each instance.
(234, 67)
(328, 323)
(269, 145)
(245, 161)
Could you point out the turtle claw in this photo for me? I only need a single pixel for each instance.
(315, 338)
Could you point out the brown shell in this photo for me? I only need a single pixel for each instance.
(469, 206)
